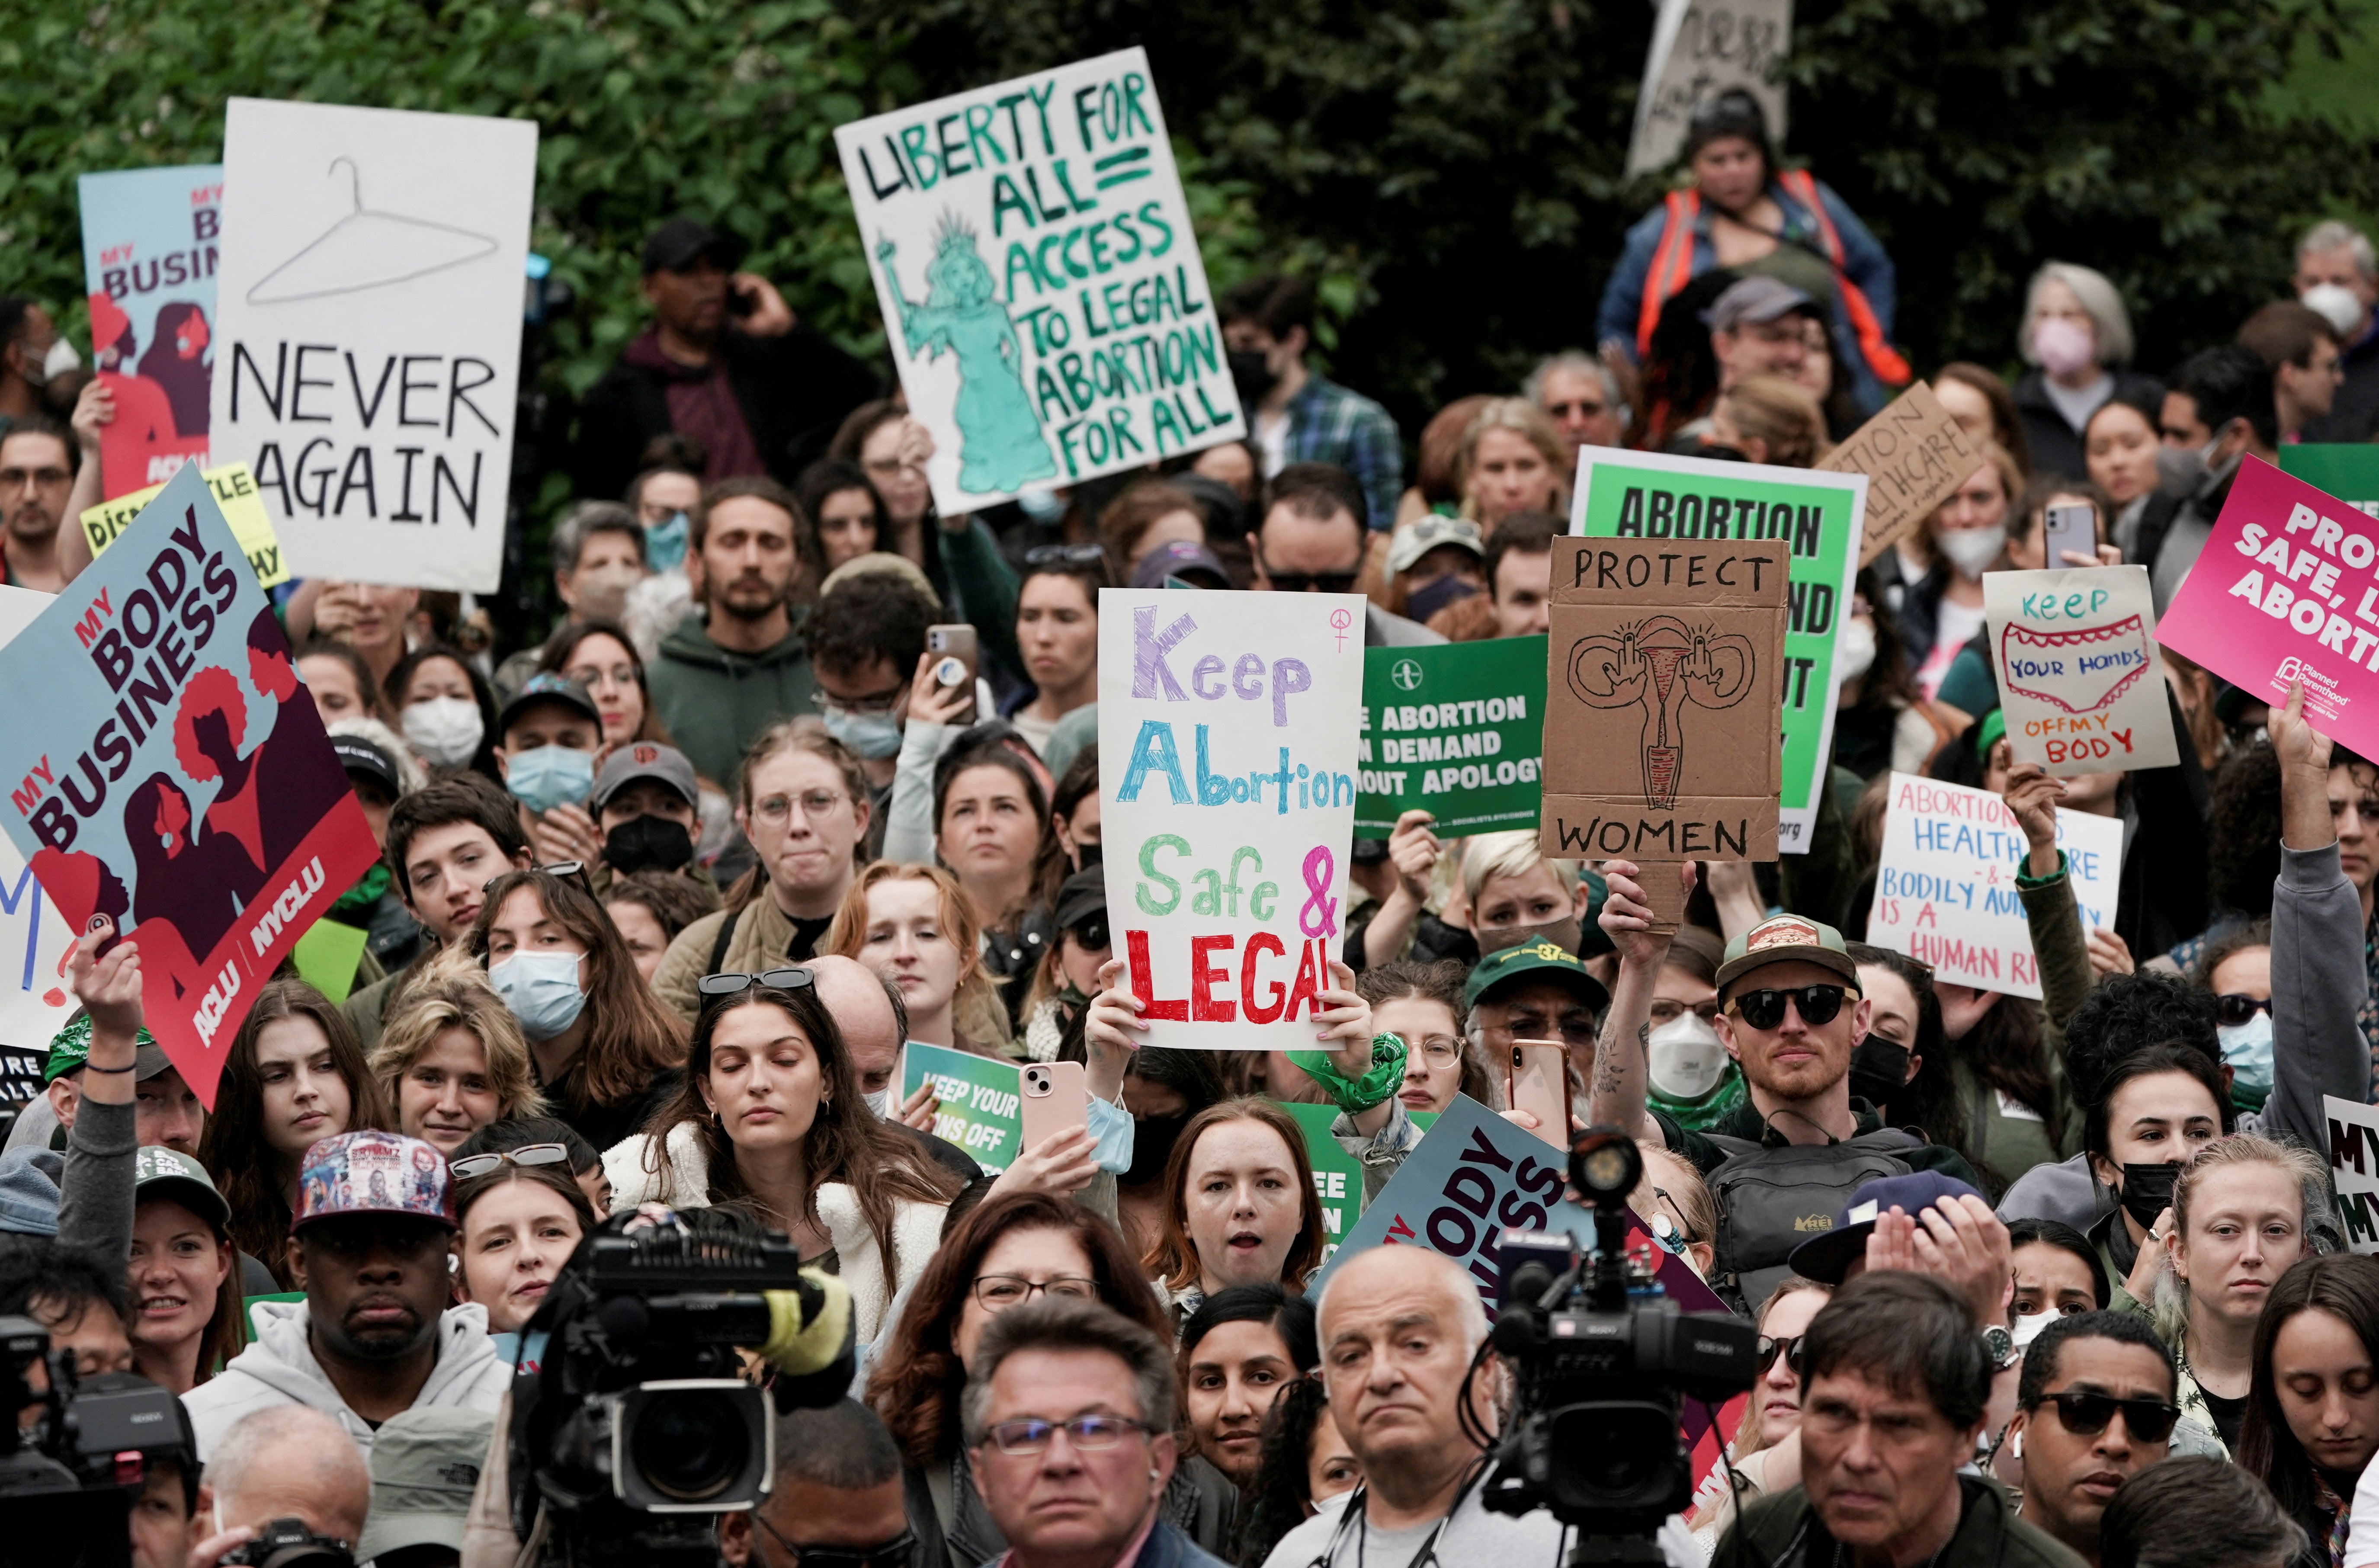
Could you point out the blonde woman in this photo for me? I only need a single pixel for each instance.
(1513, 460)
(1771, 420)
(453, 1058)
(914, 925)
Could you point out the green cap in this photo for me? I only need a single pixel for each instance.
(1987, 733)
(70, 1047)
(1497, 968)
(158, 1172)
(425, 1464)
(1787, 938)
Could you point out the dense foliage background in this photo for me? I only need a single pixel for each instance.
(1448, 169)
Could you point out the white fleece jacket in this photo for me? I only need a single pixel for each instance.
(916, 1227)
(280, 1369)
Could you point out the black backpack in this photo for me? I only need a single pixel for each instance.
(1770, 1200)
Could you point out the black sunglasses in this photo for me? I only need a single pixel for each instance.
(1091, 935)
(1765, 1009)
(1065, 555)
(1311, 581)
(2235, 1009)
(893, 1554)
(2086, 1414)
(1769, 1349)
(716, 987)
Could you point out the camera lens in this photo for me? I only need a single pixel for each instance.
(690, 1446)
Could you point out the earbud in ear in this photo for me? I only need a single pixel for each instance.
(2019, 1445)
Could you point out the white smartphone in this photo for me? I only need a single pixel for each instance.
(1057, 1097)
(1540, 1087)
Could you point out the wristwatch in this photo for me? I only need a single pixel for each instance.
(1999, 1346)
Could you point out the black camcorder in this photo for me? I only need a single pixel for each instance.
(1602, 1360)
(638, 1427)
(66, 1484)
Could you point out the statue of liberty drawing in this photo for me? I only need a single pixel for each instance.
(1001, 448)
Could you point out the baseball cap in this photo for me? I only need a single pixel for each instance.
(1787, 938)
(545, 686)
(1180, 558)
(681, 241)
(70, 1047)
(1754, 298)
(1827, 1257)
(1544, 958)
(30, 1179)
(361, 754)
(425, 1464)
(168, 1173)
(1081, 895)
(1417, 539)
(373, 1173)
(645, 759)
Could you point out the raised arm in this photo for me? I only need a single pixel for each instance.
(1616, 1098)
(2318, 979)
(2058, 937)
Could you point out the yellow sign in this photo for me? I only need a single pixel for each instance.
(243, 508)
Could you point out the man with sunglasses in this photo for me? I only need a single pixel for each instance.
(1311, 540)
(837, 1502)
(2096, 1407)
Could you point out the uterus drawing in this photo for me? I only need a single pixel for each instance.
(1663, 666)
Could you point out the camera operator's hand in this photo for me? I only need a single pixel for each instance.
(210, 1552)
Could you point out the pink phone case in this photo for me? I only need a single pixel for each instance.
(1057, 1097)
(1540, 1087)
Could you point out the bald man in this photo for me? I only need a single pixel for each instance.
(875, 1024)
(288, 1461)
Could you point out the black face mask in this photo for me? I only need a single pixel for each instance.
(1152, 1139)
(2147, 1191)
(1879, 1070)
(644, 844)
(1253, 375)
(1086, 855)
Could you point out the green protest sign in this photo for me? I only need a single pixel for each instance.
(1642, 495)
(2347, 470)
(1456, 731)
(983, 1110)
(1337, 1178)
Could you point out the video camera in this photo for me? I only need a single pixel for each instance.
(67, 1487)
(636, 1430)
(1603, 1361)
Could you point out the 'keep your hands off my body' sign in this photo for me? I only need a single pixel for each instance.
(2079, 677)
(1227, 726)
(1040, 283)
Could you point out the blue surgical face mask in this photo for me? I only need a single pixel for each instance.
(2247, 1049)
(665, 543)
(873, 735)
(550, 775)
(542, 991)
(1042, 505)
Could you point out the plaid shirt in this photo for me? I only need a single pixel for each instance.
(1328, 423)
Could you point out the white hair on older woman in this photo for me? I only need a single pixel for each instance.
(2099, 300)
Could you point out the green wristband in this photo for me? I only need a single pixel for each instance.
(1355, 1095)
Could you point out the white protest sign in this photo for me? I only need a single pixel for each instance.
(1945, 892)
(2354, 1168)
(1229, 726)
(1041, 286)
(1700, 48)
(35, 937)
(2079, 677)
(369, 334)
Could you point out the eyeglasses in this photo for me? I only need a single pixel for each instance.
(997, 1293)
(1765, 1009)
(1769, 1349)
(2236, 1010)
(2085, 1414)
(1578, 406)
(893, 1554)
(1091, 935)
(1528, 1026)
(1310, 582)
(713, 987)
(1440, 1050)
(43, 478)
(1092, 1434)
(1066, 555)
(815, 804)
(863, 708)
(471, 1165)
(1666, 1011)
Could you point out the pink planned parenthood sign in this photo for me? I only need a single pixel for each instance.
(2288, 590)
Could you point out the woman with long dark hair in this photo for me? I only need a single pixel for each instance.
(2313, 1410)
(1305, 1461)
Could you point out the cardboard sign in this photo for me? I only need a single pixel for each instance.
(983, 1108)
(2354, 1168)
(369, 355)
(1634, 495)
(175, 775)
(2347, 470)
(1662, 699)
(1228, 804)
(1700, 48)
(1914, 456)
(1456, 730)
(36, 939)
(235, 489)
(148, 260)
(1338, 1176)
(1040, 281)
(1945, 892)
(2079, 677)
(2286, 589)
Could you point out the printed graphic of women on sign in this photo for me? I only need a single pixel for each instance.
(186, 874)
(178, 362)
(295, 768)
(1001, 448)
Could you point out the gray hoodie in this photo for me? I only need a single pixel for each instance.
(280, 1369)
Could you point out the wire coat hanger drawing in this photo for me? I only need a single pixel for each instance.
(365, 250)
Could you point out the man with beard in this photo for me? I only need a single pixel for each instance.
(37, 471)
(370, 1246)
(727, 675)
